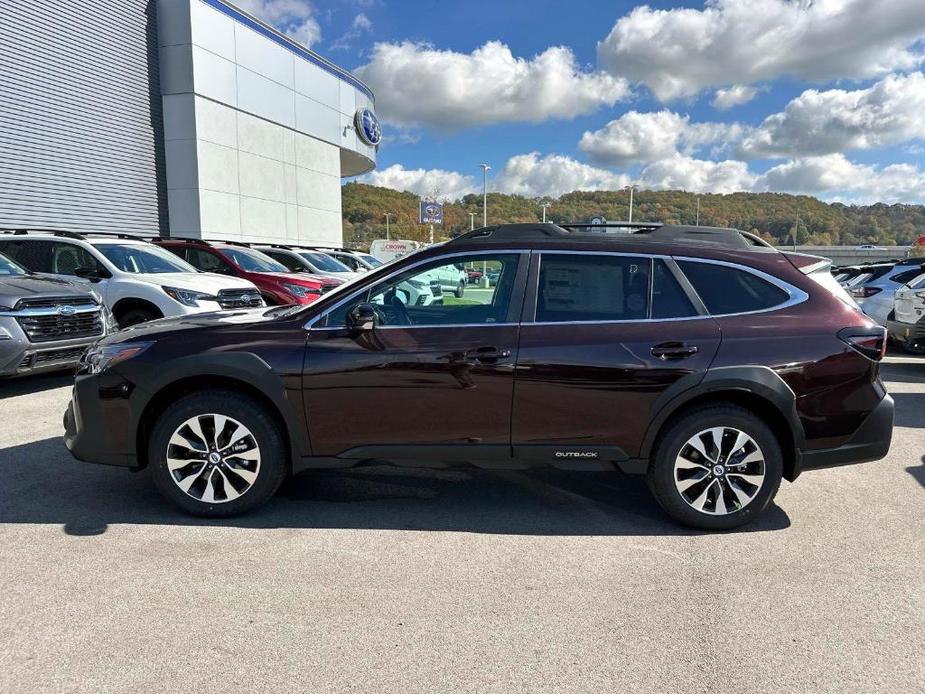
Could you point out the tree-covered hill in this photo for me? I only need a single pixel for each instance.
(772, 215)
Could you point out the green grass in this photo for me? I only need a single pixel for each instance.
(450, 300)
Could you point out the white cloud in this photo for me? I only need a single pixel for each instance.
(295, 18)
(417, 84)
(834, 177)
(448, 185)
(697, 175)
(679, 52)
(361, 24)
(534, 176)
(736, 95)
(643, 137)
(889, 112)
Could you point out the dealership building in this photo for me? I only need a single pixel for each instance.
(174, 117)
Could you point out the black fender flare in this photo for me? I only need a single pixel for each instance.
(756, 380)
(245, 367)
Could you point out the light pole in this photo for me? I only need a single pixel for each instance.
(388, 215)
(544, 205)
(698, 210)
(631, 188)
(471, 221)
(485, 168)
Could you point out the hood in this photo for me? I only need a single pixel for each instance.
(14, 288)
(302, 278)
(208, 282)
(198, 321)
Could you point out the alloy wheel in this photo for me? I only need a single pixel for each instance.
(213, 458)
(719, 471)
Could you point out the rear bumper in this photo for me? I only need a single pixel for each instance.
(870, 442)
(906, 333)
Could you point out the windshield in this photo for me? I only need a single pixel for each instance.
(144, 259)
(8, 268)
(324, 263)
(371, 260)
(250, 260)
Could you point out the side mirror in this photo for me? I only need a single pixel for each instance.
(87, 273)
(362, 318)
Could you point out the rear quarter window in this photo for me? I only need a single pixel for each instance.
(724, 289)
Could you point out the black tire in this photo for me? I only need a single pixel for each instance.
(134, 316)
(460, 290)
(910, 348)
(661, 473)
(268, 434)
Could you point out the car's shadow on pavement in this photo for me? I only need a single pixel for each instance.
(43, 484)
(910, 409)
(26, 385)
(918, 472)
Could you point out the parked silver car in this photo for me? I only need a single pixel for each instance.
(46, 323)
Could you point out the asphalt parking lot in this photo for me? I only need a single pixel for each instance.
(457, 580)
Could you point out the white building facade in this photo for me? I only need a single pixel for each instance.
(184, 118)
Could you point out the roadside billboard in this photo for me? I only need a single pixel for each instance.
(389, 249)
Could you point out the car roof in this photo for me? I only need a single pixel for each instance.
(91, 237)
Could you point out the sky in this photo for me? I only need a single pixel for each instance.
(820, 97)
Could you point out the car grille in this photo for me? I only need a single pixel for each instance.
(52, 302)
(239, 298)
(69, 355)
(65, 318)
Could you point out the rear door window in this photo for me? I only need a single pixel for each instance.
(581, 288)
(725, 289)
(669, 300)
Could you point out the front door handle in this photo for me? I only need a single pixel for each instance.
(487, 355)
(674, 350)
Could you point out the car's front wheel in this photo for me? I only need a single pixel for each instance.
(460, 290)
(716, 468)
(217, 453)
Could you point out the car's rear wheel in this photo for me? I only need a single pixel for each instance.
(716, 468)
(460, 290)
(217, 453)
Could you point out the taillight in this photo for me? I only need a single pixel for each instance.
(871, 342)
(865, 292)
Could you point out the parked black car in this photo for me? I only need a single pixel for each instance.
(46, 323)
(702, 358)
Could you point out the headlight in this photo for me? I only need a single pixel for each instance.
(101, 357)
(301, 291)
(187, 297)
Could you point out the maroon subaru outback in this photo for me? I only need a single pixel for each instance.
(701, 358)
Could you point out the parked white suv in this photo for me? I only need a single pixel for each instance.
(138, 281)
(309, 260)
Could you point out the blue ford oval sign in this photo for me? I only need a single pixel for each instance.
(368, 127)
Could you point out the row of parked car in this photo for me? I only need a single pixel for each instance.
(60, 291)
(893, 294)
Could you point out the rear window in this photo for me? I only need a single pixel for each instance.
(825, 280)
(917, 282)
(592, 288)
(907, 276)
(725, 289)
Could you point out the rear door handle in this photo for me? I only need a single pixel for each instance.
(674, 350)
(488, 355)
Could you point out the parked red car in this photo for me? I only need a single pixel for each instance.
(275, 282)
(473, 275)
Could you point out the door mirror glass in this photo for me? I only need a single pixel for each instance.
(89, 273)
(362, 317)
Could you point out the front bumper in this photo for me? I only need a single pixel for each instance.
(19, 356)
(870, 442)
(98, 421)
(906, 333)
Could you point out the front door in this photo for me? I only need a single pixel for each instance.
(611, 334)
(434, 378)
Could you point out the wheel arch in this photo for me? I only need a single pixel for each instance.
(226, 372)
(131, 303)
(757, 389)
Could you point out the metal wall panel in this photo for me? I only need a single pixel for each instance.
(81, 131)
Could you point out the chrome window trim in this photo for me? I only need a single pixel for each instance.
(309, 325)
(794, 294)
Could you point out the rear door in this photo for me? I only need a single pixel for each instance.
(603, 337)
